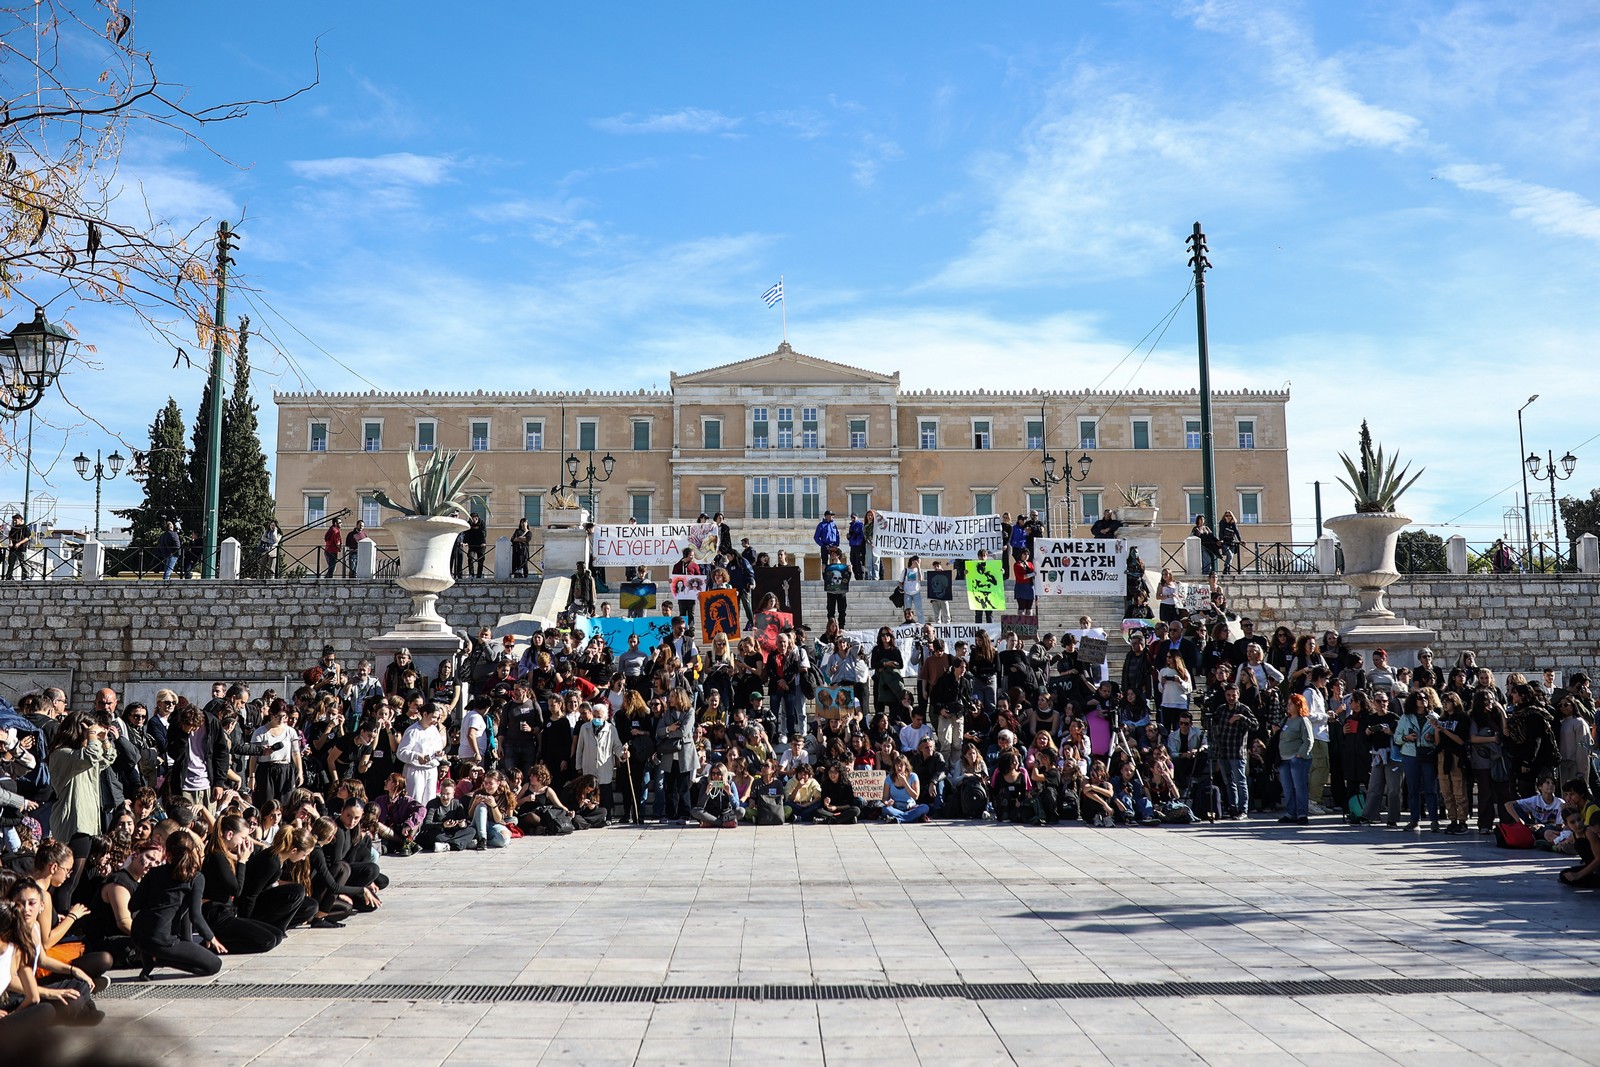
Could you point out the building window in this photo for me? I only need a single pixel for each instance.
(759, 434)
(928, 433)
(371, 514)
(983, 503)
(372, 436)
(1191, 433)
(808, 428)
(811, 498)
(590, 504)
(1141, 433)
(641, 435)
(533, 435)
(785, 498)
(1035, 503)
(1197, 504)
(319, 437)
(860, 504)
(1035, 433)
(639, 506)
(858, 433)
(1090, 503)
(1088, 433)
(588, 434)
(760, 499)
(316, 507)
(480, 435)
(930, 503)
(786, 427)
(1247, 433)
(711, 503)
(711, 433)
(427, 435)
(1250, 507)
(479, 506)
(533, 509)
(981, 437)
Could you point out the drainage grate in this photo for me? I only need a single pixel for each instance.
(985, 991)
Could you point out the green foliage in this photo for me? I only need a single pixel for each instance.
(1374, 485)
(246, 502)
(1420, 552)
(1581, 516)
(166, 490)
(434, 490)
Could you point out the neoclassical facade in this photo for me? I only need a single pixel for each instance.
(775, 440)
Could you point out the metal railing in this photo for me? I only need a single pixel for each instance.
(1543, 557)
(1277, 557)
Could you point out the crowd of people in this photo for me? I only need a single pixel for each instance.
(166, 837)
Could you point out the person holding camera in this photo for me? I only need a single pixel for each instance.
(718, 805)
(79, 754)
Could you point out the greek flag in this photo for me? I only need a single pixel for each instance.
(773, 295)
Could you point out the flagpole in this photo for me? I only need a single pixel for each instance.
(783, 299)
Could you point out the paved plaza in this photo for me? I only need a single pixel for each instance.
(1235, 943)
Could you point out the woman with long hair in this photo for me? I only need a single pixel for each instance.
(1486, 755)
(1167, 594)
(1294, 761)
(275, 888)
(79, 755)
(68, 988)
(21, 1002)
(167, 909)
(228, 851)
(1176, 686)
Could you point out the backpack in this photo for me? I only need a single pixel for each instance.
(810, 679)
(974, 799)
(1513, 835)
(555, 821)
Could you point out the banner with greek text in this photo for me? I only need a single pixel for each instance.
(900, 534)
(655, 545)
(1073, 567)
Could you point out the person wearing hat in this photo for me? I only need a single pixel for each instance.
(826, 538)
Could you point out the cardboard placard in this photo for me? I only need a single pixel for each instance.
(1092, 650)
(867, 783)
(941, 584)
(1026, 627)
(768, 625)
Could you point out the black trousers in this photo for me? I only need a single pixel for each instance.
(183, 956)
(282, 907)
(836, 607)
(858, 561)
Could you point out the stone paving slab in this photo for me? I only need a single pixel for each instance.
(872, 905)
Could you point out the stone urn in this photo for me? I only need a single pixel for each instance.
(425, 543)
(1369, 541)
(1135, 516)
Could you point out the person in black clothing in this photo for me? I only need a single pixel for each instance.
(446, 822)
(838, 798)
(476, 539)
(930, 767)
(329, 881)
(353, 846)
(167, 907)
(1138, 673)
(268, 892)
(229, 844)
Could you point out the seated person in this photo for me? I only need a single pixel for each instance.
(804, 794)
(446, 824)
(716, 804)
(1542, 811)
(587, 812)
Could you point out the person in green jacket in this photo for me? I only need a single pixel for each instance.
(1294, 751)
(78, 756)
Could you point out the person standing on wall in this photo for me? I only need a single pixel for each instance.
(826, 538)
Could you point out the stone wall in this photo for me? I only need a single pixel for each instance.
(115, 633)
(1513, 622)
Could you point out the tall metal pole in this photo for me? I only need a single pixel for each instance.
(208, 566)
(1208, 461)
(1318, 487)
(1044, 450)
(99, 480)
(1522, 450)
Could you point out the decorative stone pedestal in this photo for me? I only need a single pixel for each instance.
(424, 572)
(1139, 529)
(565, 542)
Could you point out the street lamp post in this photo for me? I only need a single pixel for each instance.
(1527, 513)
(31, 356)
(81, 462)
(1066, 477)
(608, 462)
(1549, 474)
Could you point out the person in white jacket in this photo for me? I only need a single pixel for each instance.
(596, 744)
(421, 750)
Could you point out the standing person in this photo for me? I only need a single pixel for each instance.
(826, 537)
(687, 566)
(856, 535)
(911, 588)
(17, 538)
(785, 666)
(521, 538)
(1022, 573)
(596, 747)
(1230, 542)
(1378, 726)
(836, 583)
(1230, 740)
(169, 549)
(79, 754)
(421, 750)
(679, 758)
(267, 550)
(1294, 766)
(332, 546)
(279, 770)
(477, 542)
(1176, 686)
(352, 540)
(869, 522)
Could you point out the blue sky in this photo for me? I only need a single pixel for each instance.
(1400, 200)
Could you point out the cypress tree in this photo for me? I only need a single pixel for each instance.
(246, 502)
(166, 490)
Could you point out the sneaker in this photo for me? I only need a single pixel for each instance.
(1303, 821)
(1316, 809)
(1410, 825)
(441, 846)
(101, 983)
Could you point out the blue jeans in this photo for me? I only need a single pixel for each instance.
(171, 565)
(914, 602)
(1235, 785)
(792, 718)
(497, 836)
(1422, 784)
(1295, 774)
(911, 814)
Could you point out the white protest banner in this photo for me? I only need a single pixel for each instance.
(656, 545)
(900, 534)
(867, 783)
(1193, 597)
(1094, 567)
(908, 634)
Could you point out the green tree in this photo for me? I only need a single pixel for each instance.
(1420, 552)
(166, 490)
(246, 503)
(1581, 516)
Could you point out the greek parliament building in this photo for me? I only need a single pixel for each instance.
(775, 440)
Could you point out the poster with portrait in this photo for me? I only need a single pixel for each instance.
(835, 702)
(941, 584)
(768, 625)
(688, 586)
(719, 614)
(986, 585)
(836, 578)
(784, 583)
(637, 596)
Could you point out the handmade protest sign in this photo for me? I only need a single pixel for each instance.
(768, 625)
(654, 545)
(901, 534)
(783, 583)
(637, 596)
(719, 614)
(986, 585)
(867, 783)
(1092, 649)
(836, 578)
(835, 701)
(1026, 627)
(1072, 567)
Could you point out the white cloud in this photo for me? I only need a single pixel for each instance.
(687, 120)
(1553, 211)
(396, 168)
(874, 153)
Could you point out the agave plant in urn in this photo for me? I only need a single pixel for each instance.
(1369, 536)
(426, 533)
